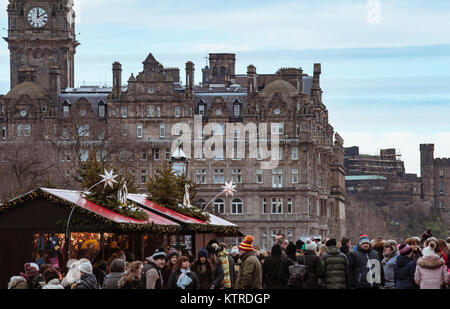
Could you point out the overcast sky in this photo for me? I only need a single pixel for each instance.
(385, 64)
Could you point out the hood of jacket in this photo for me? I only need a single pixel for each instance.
(431, 261)
(333, 250)
(403, 260)
(89, 280)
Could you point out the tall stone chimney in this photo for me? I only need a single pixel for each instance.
(117, 79)
(252, 84)
(190, 75)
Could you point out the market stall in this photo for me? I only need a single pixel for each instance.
(34, 227)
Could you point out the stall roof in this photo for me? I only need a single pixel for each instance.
(76, 198)
(143, 201)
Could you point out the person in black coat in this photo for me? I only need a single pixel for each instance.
(360, 274)
(405, 269)
(276, 269)
(182, 267)
(87, 279)
(314, 265)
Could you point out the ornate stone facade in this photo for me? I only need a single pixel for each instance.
(136, 125)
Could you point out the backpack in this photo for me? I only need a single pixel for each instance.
(298, 274)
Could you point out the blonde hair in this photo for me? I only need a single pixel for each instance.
(322, 250)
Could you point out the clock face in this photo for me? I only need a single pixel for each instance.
(23, 113)
(277, 111)
(37, 17)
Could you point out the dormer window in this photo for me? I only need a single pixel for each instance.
(101, 109)
(237, 108)
(201, 108)
(66, 108)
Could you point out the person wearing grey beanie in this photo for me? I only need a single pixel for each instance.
(87, 279)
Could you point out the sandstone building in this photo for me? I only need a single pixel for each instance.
(132, 123)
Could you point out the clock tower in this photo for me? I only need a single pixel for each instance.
(41, 39)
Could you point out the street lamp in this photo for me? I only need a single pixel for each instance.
(179, 161)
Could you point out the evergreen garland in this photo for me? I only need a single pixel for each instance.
(93, 223)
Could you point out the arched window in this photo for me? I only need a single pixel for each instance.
(215, 71)
(222, 71)
(219, 206)
(236, 206)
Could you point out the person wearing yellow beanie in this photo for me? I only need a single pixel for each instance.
(250, 272)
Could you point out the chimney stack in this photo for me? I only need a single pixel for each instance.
(117, 79)
(251, 79)
(190, 75)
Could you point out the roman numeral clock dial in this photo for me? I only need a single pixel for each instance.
(37, 17)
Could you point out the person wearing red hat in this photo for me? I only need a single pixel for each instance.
(250, 272)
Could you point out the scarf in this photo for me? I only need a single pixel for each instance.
(183, 279)
(223, 258)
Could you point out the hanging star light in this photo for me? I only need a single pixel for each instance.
(229, 188)
(109, 178)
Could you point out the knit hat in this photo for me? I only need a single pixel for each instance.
(172, 252)
(299, 243)
(363, 239)
(159, 254)
(234, 250)
(247, 244)
(404, 249)
(331, 242)
(276, 250)
(36, 266)
(85, 268)
(202, 252)
(310, 245)
(430, 249)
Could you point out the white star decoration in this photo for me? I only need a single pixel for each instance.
(229, 188)
(108, 178)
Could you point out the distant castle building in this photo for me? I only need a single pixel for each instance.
(385, 174)
(134, 125)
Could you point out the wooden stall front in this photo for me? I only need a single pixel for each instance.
(29, 222)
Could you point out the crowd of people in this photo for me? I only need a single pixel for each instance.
(416, 263)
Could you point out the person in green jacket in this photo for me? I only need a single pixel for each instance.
(335, 265)
(250, 272)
